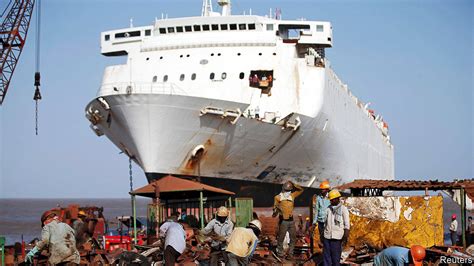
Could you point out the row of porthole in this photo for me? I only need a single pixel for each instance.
(193, 76)
(219, 54)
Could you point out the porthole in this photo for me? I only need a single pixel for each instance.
(161, 57)
(274, 53)
(181, 78)
(224, 75)
(155, 78)
(238, 54)
(148, 58)
(242, 75)
(181, 56)
(212, 54)
(219, 54)
(187, 55)
(212, 76)
(193, 76)
(165, 78)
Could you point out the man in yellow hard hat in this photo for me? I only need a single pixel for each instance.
(221, 227)
(320, 205)
(336, 229)
(283, 207)
(401, 256)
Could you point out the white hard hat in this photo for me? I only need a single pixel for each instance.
(256, 223)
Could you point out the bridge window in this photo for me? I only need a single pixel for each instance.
(188, 28)
(242, 26)
(107, 37)
(147, 32)
(251, 26)
(223, 26)
(319, 28)
(215, 26)
(197, 27)
(128, 34)
(269, 27)
(205, 27)
(170, 29)
(179, 29)
(162, 31)
(233, 26)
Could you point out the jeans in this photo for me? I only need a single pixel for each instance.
(332, 249)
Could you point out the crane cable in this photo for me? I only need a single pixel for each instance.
(37, 95)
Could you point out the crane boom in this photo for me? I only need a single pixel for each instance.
(13, 32)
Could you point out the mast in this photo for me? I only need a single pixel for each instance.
(206, 8)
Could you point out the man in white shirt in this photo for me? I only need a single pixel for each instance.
(336, 229)
(175, 240)
(453, 228)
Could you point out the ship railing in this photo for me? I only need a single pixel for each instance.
(115, 88)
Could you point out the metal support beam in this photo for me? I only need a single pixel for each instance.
(201, 209)
(134, 211)
(463, 217)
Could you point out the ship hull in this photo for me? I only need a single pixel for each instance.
(161, 132)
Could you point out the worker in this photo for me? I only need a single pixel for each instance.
(80, 229)
(242, 243)
(283, 207)
(222, 227)
(175, 239)
(336, 229)
(399, 256)
(320, 205)
(469, 231)
(59, 238)
(453, 228)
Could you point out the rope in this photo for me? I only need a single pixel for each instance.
(130, 173)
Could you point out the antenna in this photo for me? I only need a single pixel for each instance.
(131, 22)
(206, 8)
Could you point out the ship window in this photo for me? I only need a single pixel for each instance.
(224, 75)
(233, 26)
(147, 32)
(170, 29)
(179, 29)
(238, 54)
(319, 28)
(165, 78)
(215, 27)
(155, 78)
(107, 37)
(161, 57)
(223, 26)
(181, 77)
(188, 28)
(219, 54)
(262, 79)
(252, 26)
(197, 27)
(162, 31)
(193, 76)
(212, 76)
(205, 27)
(242, 27)
(242, 75)
(269, 26)
(128, 34)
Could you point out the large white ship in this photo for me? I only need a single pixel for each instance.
(236, 97)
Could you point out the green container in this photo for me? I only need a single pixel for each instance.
(2, 246)
(243, 211)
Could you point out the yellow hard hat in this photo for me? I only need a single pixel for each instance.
(324, 185)
(334, 194)
(82, 213)
(222, 211)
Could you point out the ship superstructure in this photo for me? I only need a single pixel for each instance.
(240, 97)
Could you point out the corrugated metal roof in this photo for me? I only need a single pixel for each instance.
(169, 184)
(406, 185)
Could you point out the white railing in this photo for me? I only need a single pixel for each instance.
(167, 88)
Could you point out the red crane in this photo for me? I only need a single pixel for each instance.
(13, 32)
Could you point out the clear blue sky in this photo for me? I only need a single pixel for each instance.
(413, 60)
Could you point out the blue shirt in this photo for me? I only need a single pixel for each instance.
(320, 209)
(392, 256)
